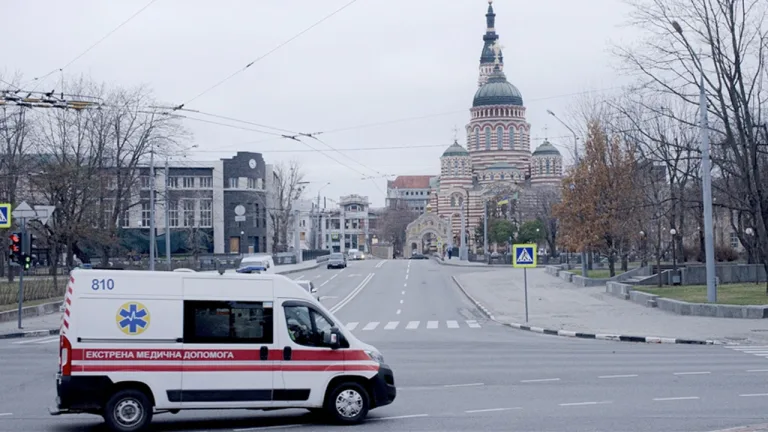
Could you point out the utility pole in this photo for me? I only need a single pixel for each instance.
(485, 232)
(167, 218)
(296, 237)
(463, 250)
(706, 190)
(152, 209)
(343, 238)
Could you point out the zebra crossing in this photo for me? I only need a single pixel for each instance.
(38, 341)
(411, 325)
(756, 350)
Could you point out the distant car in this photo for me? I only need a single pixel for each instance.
(337, 260)
(355, 255)
(310, 287)
(418, 256)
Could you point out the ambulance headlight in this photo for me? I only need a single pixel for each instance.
(375, 356)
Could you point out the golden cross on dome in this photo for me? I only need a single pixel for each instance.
(455, 133)
(496, 48)
(546, 132)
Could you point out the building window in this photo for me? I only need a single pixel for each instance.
(253, 183)
(206, 213)
(548, 171)
(173, 182)
(188, 212)
(206, 182)
(256, 214)
(173, 214)
(126, 222)
(232, 183)
(107, 210)
(487, 137)
(512, 138)
(500, 138)
(144, 181)
(188, 182)
(227, 322)
(734, 240)
(477, 138)
(145, 214)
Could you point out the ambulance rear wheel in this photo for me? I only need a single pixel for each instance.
(348, 403)
(128, 411)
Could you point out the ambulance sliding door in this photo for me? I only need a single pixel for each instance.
(228, 334)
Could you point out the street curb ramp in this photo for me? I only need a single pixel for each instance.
(30, 334)
(582, 335)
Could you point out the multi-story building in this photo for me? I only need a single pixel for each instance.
(302, 224)
(350, 226)
(411, 191)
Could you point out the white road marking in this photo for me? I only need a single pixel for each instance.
(473, 324)
(351, 326)
(270, 427)
(584, 403)
(412, 325)
(391, 325)
(401, 301)
(676, 398)
(464, 385)
(692, 373)
(318, 276)
(748, 348)
(48, 340)
(371, 325)
(452, 324)
(491, 410)
(540, 380)
(403, 293)
(406, 276)
(431, 324)
(5, 414)
(398, 312)
(381, 264)
(37, 341)
(352, 295)
(405, 284)
(753, 394)
(617, 376)
(758, 370)
(400, 417)
(334, 276)
(323, 284)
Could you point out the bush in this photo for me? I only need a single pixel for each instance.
(693, 253)
(726, 253)
(39, 288)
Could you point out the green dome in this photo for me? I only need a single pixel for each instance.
(546, 149)
(497, 91)
(455, 150)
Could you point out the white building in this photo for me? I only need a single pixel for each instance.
(350, 226)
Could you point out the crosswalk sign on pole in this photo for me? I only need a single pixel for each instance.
(524, 256)
(5, 215)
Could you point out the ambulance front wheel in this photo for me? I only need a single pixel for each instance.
(128, 411)
(348, 403)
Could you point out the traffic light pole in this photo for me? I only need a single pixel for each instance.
(24, 244)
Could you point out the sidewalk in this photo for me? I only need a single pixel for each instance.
(557, 305)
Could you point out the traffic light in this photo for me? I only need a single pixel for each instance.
(14, 250)
(26, 261)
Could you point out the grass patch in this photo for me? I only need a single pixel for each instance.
(735, 294)
(7, 307)
(601, 273)
(36, 288)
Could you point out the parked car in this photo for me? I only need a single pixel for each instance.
(310, 287)
(337, 260)
(355, 254)
(418, 256)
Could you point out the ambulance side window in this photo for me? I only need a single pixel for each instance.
(227, 322)
(306, 326)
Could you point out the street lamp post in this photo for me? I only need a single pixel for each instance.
(642, 249)
(673, 233)
(706, 181)
(577, 161)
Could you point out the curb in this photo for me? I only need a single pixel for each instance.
(29, 334)
(752, 428)
(582, 335)
(299, 270)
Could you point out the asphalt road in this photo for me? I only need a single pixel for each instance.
(456, 371)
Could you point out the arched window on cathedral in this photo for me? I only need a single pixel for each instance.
(512, 137)
(502, 176)
(548, 172)
(453, 201)
(477, 138)
(500, 138)
(487, 137)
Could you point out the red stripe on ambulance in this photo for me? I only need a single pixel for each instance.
(213, 355)
(90, 368)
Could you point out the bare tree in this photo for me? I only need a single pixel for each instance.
(734, 36)
(545, 201)
(393, 223)
(287, 187)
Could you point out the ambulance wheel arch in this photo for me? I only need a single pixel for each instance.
(129, 409)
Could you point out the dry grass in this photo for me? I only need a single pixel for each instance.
(36, 288)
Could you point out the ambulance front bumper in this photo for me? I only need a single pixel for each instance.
(384, 390)
(80, 394)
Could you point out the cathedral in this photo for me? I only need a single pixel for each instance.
(497, 164)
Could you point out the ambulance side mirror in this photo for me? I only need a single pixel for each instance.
(332, 339)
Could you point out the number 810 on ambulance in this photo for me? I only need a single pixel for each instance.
(134, 344)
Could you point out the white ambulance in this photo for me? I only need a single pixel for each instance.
(137, 343)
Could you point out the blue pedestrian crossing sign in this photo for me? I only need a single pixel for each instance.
(524, 255)
(5, 215)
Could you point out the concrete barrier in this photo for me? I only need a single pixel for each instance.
(566, 276)
(31, 311)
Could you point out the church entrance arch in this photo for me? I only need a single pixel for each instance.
(428, 233)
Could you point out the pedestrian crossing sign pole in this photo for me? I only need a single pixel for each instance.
(524, 256)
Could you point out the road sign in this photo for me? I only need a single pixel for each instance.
(524, 256)
(44, 213)
(239, 218)
(23, 210)
(5, 215)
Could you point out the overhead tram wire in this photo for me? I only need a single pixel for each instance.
(263, 56)
(79, 56)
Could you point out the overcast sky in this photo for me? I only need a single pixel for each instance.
(377, 61)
